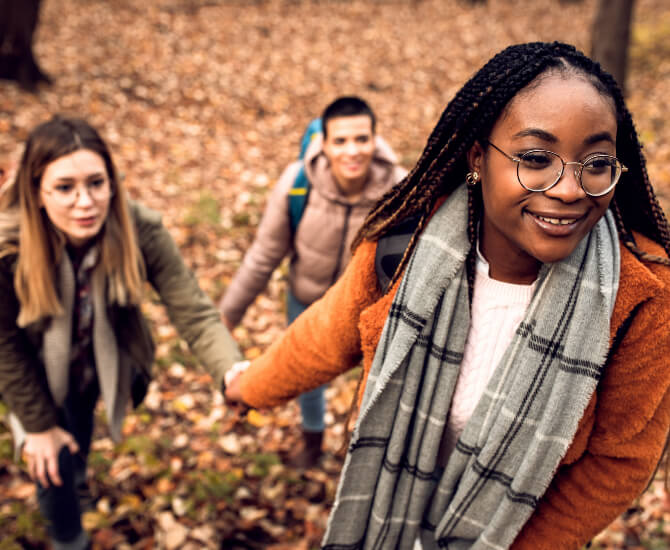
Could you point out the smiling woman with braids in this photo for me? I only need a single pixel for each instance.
(510, 301)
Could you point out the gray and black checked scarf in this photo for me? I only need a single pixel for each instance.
(391, 490)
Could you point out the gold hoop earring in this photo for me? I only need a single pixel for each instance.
(472, 178)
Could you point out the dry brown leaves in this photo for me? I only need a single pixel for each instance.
(203, 103)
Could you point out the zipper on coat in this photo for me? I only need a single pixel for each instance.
(345, 230)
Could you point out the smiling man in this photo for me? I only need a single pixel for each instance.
(348, 168)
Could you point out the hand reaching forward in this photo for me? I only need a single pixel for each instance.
(41, 454)
(232, 379)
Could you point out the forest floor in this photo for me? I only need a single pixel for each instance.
(203, 103)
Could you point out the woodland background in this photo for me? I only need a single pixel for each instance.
(203, 103)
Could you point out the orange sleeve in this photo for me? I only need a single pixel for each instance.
(632, 418)
(322, 343)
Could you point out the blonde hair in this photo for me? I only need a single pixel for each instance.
(25, 228)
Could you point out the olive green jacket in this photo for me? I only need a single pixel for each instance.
(34, 361)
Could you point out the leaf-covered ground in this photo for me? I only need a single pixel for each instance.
(203, 103)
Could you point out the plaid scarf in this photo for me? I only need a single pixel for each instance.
(82, 359)
(392, 491)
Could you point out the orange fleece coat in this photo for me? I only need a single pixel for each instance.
(620, 437)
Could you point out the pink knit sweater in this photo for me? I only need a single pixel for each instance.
(497, 309)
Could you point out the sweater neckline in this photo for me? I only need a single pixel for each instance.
(500, 291)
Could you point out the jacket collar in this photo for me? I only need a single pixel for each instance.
(639, 281)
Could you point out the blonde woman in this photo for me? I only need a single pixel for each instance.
(74, 255)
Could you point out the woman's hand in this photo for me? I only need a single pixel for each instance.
(40, 452)
(232, 394)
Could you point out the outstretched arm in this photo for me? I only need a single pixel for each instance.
(189, 308)
(320, 344)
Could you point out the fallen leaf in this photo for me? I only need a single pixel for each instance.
(257, 419)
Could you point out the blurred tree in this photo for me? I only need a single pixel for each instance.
(18, 19)
(610, 36)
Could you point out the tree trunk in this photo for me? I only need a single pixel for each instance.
(17, 25)
(610, 36)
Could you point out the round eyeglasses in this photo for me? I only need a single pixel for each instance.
(66, 194)
(539, 170)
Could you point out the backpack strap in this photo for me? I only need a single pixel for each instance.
(297, 198)
(391, 248)
(299, 193)
(314, 128)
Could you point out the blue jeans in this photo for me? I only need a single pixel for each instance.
(59, 505)
(312, 403)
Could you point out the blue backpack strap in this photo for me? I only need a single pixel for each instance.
(299, 193)
(314, 128)
(297, 198)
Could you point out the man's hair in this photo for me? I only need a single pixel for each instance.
(40, 246)
(347, 106)
(470, 116)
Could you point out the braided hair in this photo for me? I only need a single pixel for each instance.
(471, 115)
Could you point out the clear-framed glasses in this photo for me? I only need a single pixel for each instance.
(539, 170)
(66, 194)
